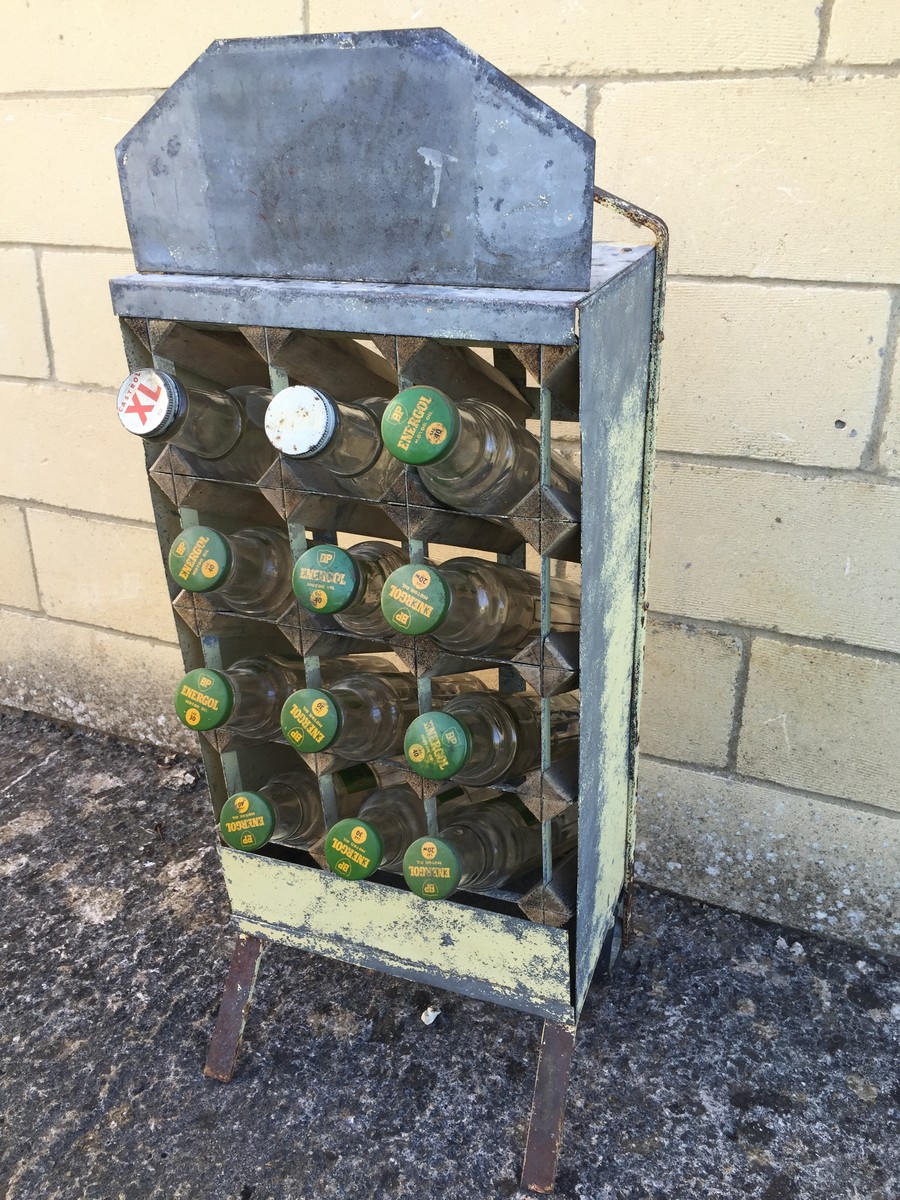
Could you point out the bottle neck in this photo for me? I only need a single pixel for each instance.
(299, 819)
(355, 443)
(208, 423)
(258, 581)
(399, 816)
(261, 686)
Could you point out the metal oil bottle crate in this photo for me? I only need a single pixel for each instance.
(362, 213)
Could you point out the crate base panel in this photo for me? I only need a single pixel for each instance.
(466, 314)
(615, 352)
(488, 956)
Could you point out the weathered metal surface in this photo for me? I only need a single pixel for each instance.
(507, 960)
(553, 902)
(548, 1108)
(236, 998)
(394, 156)
(224, 356)
(466, 314)
(647, 220)
(615, 353)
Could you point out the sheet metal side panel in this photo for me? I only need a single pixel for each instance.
(486, 955)
(615, 346)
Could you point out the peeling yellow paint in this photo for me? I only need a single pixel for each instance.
(505, 959)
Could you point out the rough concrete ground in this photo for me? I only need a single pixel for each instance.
(729, 1058)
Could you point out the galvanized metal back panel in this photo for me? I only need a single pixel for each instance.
(386, 157)
(615, 349)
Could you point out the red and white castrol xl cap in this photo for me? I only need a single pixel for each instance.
(148, 402)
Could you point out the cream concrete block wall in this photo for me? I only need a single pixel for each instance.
(733, 162)
(23, 346)
(690, 687)
(777, 854)
(822, 720)
(572, 39)
(47, 198)
(889, 451)
(764, 133)
(772, 371)
(76, 293)
(99, 45)
(864, 31)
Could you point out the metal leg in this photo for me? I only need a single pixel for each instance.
(548, 1107)
(239, 983)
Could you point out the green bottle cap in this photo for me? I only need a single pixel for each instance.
(200, 559)
(414, 599)
(353, 848)
(204, 699)
(431, 868)
(420, 425)
(326, 579)
(436, 745)
(310, 720)
(247, 821)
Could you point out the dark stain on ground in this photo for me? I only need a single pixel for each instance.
(717, 1064)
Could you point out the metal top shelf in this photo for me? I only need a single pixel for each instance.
(409, 310)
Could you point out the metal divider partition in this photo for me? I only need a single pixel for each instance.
(255, 284)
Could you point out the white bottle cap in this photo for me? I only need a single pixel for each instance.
(149, 401)
(300, 421)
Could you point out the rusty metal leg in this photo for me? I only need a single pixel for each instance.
(548, 1107)
(239, 983)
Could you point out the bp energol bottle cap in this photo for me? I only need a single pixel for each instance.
(200, 559)
(420, 425)
(310, 720)
(204, 699)
(353, 848)
(300, 421)
(326, 579)
(414, 599)
(431, 868)
(247, 821)
(436, 745)
(149, 401)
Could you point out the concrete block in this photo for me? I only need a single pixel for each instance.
(527, 38)
(779, 178)
(776, 855)
(60, 46)
(889, 452)
(815, 557)
(101, 573)
(92, 678)
(822, 721)
(87, 344)
(17, 586)
(60, 181)
(65, 446)
(864, 31)
(760, 371)
(688, 697)
(23, 349)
